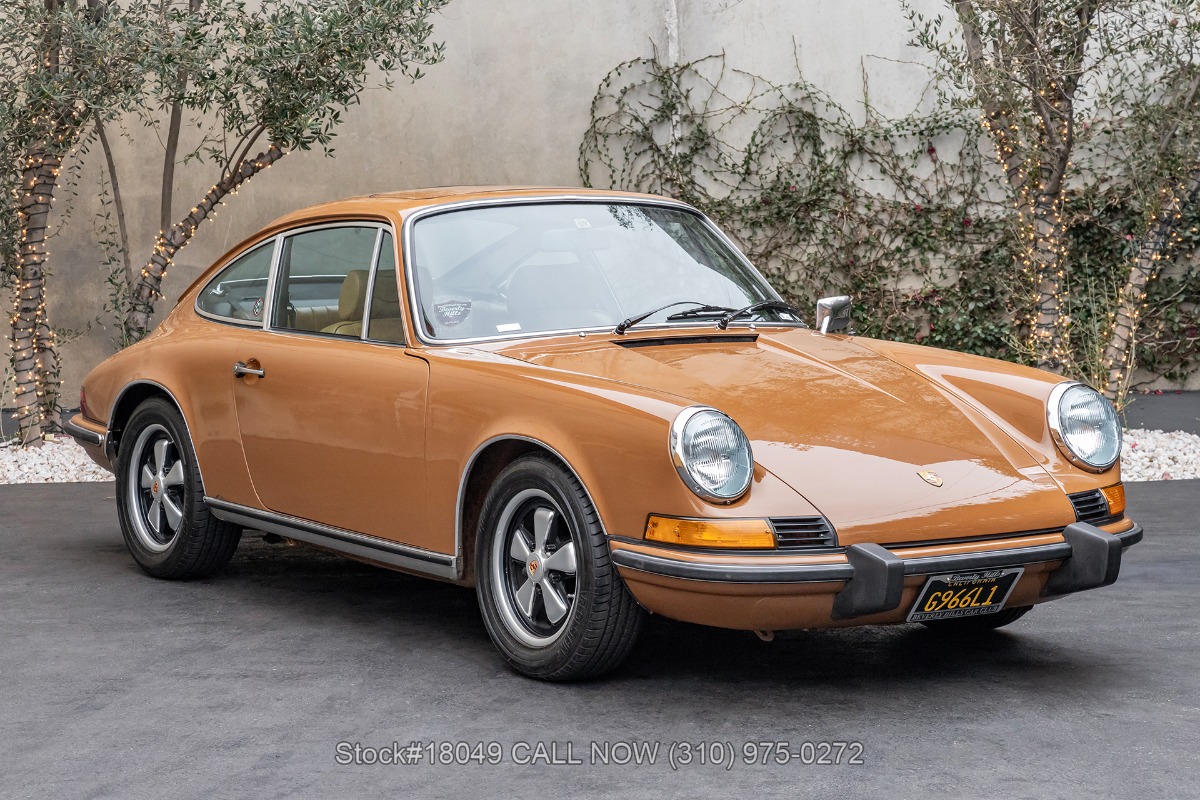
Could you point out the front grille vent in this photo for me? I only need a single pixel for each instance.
(1090, 506)
(801, 532)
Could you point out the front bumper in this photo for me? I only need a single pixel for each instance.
(866, 584)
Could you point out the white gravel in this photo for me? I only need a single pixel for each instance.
(1146, 456)
(1159, 456)
(58, 461)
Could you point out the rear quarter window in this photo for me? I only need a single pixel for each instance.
(238, 292)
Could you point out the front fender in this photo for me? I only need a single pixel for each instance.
(613, 436)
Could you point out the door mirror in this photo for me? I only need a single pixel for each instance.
(833, 314)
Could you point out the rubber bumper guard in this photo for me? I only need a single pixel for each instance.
(878, 582)
(1095, 561)
(877, 585)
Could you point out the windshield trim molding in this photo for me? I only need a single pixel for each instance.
(409, 255)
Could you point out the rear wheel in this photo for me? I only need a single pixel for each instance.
(980, 624)
(160, 499)
(550, 596)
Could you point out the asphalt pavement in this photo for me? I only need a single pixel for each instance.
(1168, 411)
(244, 685)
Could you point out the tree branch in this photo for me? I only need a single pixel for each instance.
(117, 201)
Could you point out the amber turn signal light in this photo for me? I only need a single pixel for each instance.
(747, 534)
(1115, 495)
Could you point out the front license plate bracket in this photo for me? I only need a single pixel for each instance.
(969, 593)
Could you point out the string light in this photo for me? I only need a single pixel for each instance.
(1162, 236)
(171, 241)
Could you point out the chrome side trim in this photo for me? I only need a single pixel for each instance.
(462, 486)
(370, 301)
(384, 551)
(408, 253)
(108, 441)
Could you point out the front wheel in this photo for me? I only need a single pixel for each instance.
(550, 596)
(160, 499)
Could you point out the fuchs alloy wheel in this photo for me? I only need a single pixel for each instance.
(160, 499)
(551, 598)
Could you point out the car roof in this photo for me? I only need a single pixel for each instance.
(404, 201)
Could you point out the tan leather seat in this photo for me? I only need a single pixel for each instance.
(315, 318)
(386, 321)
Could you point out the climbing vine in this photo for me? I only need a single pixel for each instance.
(902, 214)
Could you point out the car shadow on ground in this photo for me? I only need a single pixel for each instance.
(316, 585)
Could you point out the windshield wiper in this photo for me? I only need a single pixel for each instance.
(763, 305)
(699, 312)
(634, 320)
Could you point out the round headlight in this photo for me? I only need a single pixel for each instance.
(711, 453)
(1085, 426)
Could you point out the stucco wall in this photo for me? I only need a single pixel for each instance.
(509, 105)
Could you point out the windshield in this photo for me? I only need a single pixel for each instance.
(511, 269)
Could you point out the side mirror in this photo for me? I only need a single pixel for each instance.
(833, 314)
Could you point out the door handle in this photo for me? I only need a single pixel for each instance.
(240, 369)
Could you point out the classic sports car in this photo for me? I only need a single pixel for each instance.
(589, 405)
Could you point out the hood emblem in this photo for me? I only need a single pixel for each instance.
(932, 478)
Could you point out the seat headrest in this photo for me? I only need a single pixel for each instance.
(386, 299)
(353, 299)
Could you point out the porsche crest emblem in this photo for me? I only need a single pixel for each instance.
(932, 478)
(533, 567)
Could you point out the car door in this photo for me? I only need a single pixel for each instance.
(331, 416)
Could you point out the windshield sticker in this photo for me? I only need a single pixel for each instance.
(258, 304)
(451, 312)
(582, 223)
(508, 327)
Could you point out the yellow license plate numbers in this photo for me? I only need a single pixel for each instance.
(964, 594)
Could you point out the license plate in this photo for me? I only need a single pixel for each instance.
(964, 594)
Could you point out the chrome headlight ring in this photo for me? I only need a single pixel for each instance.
(712, 454)
(1072, 409)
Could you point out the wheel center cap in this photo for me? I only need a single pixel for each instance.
(154, 488)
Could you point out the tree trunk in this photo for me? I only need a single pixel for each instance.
(1118, 356)
(147, 290)
(35, 361)
(1045, 255)
(174, 124)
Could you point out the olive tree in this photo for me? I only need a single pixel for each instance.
(64, 61)
(1068, 90)
(1146, 153)
(262, 81)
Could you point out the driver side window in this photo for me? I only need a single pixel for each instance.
(323, 279)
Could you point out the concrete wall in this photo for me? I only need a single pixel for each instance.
(509, 105)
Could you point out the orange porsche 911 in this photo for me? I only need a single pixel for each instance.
(589, 406)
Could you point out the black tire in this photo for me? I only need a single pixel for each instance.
(168, 529)
(981, 624)
(602, 620)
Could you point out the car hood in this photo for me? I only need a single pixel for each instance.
(847, 428)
